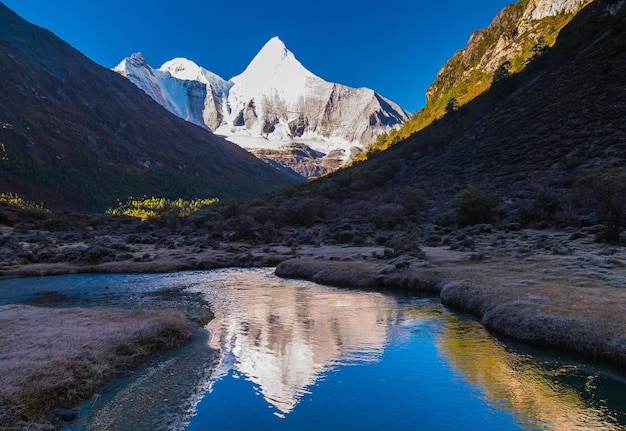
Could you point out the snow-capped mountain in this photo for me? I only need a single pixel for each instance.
(180, 86)
(274, 103)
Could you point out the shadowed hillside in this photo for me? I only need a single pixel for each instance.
(520, 33)
(75, 135)
(521, 154)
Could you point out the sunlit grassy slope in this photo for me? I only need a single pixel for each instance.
(505, 47)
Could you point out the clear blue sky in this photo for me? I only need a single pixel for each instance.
(395, 47)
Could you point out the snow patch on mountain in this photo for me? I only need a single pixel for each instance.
(184, 98)
(187, 70)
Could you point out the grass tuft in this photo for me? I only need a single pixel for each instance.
(57, 357)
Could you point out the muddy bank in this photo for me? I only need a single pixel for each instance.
(158, 395)
(574, 301)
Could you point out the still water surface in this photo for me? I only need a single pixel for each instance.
(295, 355)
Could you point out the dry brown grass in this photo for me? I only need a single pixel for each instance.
(547, 301)
(365, 274)
(55, 357)
(334, 273)
(574, 301)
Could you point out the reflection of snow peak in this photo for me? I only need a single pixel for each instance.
(275, 99)
(283, 337)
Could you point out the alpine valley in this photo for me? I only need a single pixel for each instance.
(503, 197)
(275, 108)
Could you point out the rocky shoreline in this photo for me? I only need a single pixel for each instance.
(556, 289)
(550, 288)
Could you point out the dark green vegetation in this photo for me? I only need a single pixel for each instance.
(77, 136)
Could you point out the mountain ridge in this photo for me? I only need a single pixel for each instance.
(276, 102)
(529, 152)
(78, 136)
(519, 33)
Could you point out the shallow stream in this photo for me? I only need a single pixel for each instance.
(295, 355)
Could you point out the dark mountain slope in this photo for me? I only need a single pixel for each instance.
(524, 145)
(78, 136)
(519, 32)
(540, 128)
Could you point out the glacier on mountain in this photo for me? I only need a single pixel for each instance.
(274, 103)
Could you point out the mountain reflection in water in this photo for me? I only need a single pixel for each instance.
(296, 355)
(282, 338)
(415, 365)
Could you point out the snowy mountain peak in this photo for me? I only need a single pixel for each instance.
(137, 59)
(274, 50)
(182, 68)
(187, 70)
(272, 66)
(274, 104)
(131, 63)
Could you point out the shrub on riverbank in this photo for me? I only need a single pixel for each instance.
(54, 358)
(147, 208)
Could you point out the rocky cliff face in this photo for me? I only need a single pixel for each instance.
(539, 9)
(300, 161)
(273, 104)
(519, 34)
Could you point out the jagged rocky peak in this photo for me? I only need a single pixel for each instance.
(539, 9)
(138, 59)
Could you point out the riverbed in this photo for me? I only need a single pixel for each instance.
(297, 355)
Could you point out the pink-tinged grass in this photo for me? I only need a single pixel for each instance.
(56, 357)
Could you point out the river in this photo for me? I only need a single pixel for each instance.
(294, 355)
